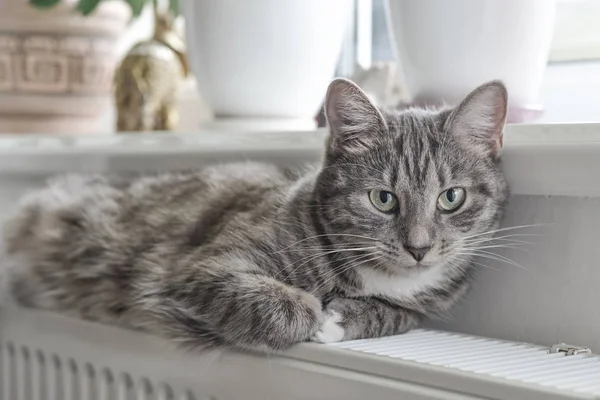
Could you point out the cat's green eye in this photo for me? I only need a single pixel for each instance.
(451, 199)
(383, 200)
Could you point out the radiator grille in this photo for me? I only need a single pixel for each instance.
(508, 360)
(35, 375)
(30, 373)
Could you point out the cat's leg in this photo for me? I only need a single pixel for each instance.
(239, 309)
(358, 318)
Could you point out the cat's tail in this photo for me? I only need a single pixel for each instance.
(28, 238)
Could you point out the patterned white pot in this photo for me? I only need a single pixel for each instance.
(265, 59)
(56, 67)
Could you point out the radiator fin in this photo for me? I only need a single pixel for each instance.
(27, 374)
(508, 360)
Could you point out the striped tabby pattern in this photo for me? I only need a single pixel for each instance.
(249, 256)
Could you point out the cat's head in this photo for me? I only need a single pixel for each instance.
(413, 187)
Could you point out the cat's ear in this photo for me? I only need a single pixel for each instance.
(481, 116)
(354, 122)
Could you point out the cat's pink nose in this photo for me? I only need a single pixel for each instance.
(418, 253)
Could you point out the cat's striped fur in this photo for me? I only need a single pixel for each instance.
(248, 256)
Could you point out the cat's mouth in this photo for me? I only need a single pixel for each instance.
(397, 263)
(419, 266)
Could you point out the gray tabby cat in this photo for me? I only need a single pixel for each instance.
(247, 256)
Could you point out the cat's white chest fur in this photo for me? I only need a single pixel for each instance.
(400, 286)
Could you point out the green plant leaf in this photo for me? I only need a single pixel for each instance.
(44, 3)
(86, 7)
(174, 7)
(136, 6)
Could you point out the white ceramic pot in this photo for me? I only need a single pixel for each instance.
(56, 67)
(268, 59)
(446, 48)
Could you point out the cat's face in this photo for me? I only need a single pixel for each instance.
(413, 188)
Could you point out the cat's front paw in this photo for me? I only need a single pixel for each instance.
(331, 330)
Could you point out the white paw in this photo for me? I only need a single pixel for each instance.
(331, 331)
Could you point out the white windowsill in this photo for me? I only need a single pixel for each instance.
(569, 94)
(548, 159)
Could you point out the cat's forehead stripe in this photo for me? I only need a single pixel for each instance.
(416, 142)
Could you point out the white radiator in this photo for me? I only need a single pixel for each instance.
(45, 356)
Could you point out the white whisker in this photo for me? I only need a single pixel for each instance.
(347, 266)
(471, 261)
(506, 229)
(496, 246)
(495, 257)
(312, 257)
(327, 235)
